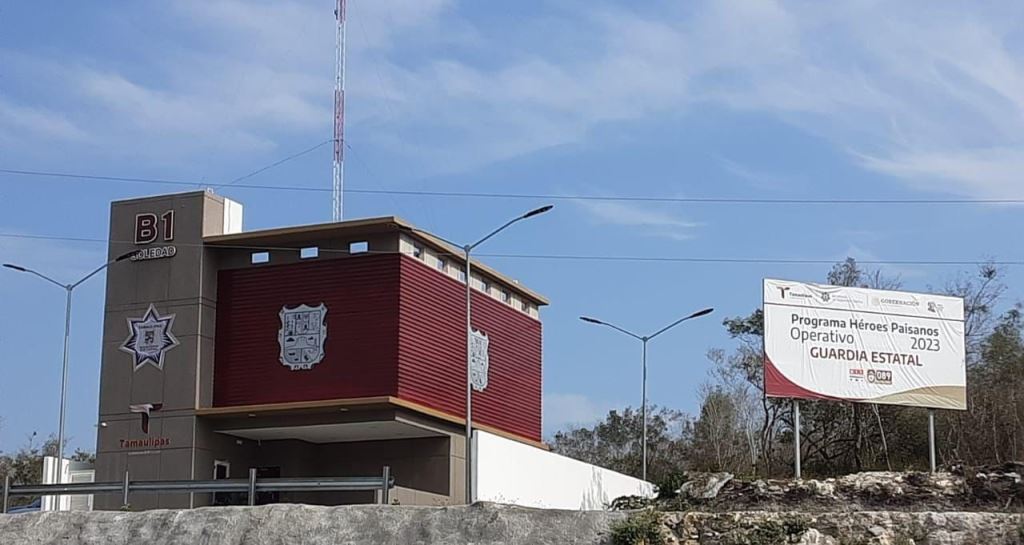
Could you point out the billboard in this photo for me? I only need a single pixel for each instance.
(857, 344)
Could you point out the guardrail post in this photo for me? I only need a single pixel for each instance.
(7, 492)
(124, 490)
(252, 486)
(385, 489)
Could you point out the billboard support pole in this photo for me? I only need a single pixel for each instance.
(931, 439)
(796, 436)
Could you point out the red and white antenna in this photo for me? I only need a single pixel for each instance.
(339, 115)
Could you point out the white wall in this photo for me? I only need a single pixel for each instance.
(507, 471)
(54, 473)
(68, 473)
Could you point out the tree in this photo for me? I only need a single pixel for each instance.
(746, 364)
(981, 293)
(721, 435)
(26, 465)
(614, 443)
(992, 431)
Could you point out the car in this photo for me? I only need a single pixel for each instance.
(33, 507)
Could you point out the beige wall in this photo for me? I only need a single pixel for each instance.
(449, 266)
(182, 285)
(229, 257)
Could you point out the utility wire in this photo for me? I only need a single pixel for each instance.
(276, 163)
(532, 196)
(561, 257)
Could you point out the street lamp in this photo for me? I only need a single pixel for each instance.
(644, 340)
(67, 334)
(467, 249)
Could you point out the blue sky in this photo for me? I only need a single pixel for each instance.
(750, 99)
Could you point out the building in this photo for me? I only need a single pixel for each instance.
(320, 350)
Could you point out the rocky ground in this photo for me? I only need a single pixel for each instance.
(992, 489)
(491, 524)
(979, 506)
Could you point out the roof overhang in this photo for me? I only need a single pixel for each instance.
(341, 432)
(254, 414)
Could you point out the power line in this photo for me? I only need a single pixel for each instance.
(532, 196)
(276, 163)
(690, 200)
(570, 257)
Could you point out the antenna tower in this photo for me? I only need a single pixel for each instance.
(338, 170)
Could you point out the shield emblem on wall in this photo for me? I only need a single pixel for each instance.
(302, 335)
(150, 338)
(479, 360)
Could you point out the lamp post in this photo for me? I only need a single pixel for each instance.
(644, 340)
(68, 288)
(467, 249)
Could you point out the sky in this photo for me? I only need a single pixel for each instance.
(730, 99)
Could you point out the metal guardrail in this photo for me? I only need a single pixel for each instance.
(252, 486)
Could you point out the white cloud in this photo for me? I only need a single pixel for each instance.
(916, 84)
(992, 172)
(930, 94)
(654, 222)
(872, 259)
(216, 75)
(38, 121)
(564, 410)
(755, 177)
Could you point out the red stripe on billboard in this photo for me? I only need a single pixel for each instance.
(777, 385)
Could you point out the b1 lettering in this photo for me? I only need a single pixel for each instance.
(149, 227)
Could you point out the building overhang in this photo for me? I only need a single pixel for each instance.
(341, 432)
(347, 419)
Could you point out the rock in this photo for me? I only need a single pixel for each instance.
(704, 486)
(491, 524)
(995, 489)
(820, 488)
(285, 524)
(814, 537)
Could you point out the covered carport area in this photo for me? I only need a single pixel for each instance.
(340, 438)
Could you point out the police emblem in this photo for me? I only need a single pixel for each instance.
(302, 335)
(479, 360)
(150, 338)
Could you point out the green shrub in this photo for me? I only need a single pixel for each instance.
(771, 533)
(642, 528)
(668, 486)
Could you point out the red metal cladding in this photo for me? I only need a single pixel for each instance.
(395, 327)
(360, 353)
(432, 352)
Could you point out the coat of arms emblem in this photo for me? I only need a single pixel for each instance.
(302, 335)
(479, 360)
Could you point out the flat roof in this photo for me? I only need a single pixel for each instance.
(188, 193)
(297, 237)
